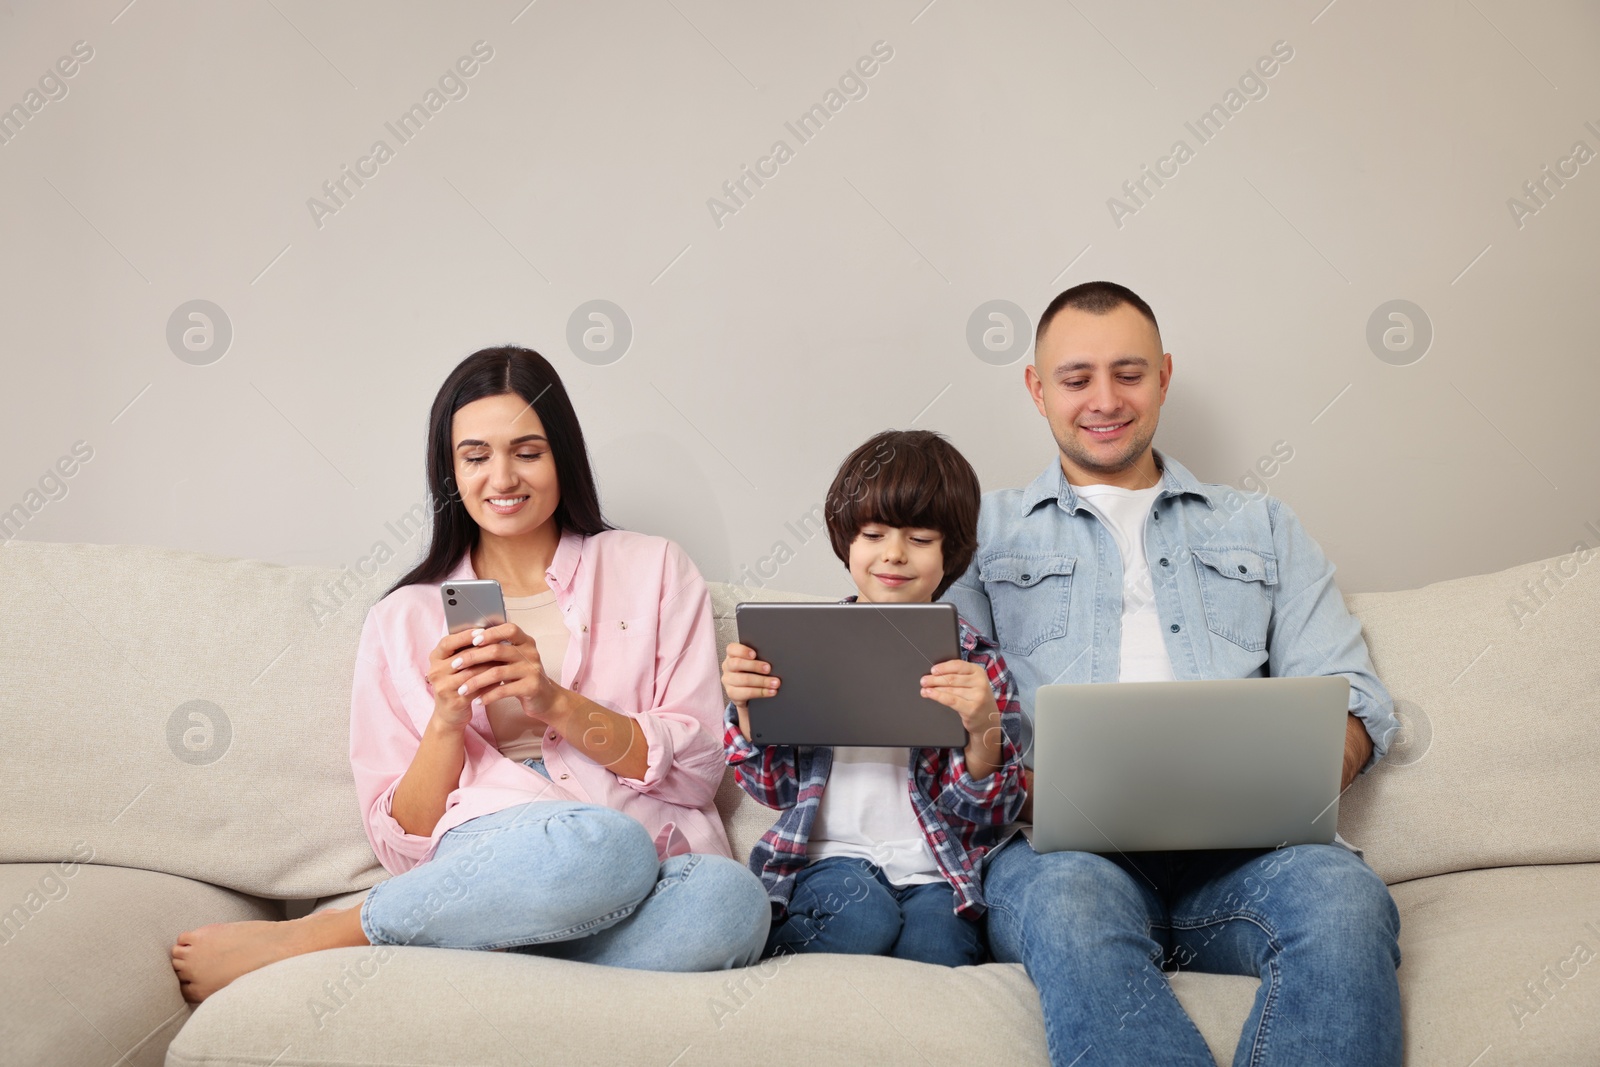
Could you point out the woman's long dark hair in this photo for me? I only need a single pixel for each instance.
(494, 372)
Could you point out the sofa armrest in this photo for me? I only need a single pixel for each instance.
(87, 977)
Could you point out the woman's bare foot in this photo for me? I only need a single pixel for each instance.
(209, 957)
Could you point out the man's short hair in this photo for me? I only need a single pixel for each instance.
(1097, 298)
(910, 478)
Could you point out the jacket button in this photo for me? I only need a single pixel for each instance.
(1242, 569)
(1174, 627)
(1027, 577)
(563, 776)
(624, 624)
(1164, 562)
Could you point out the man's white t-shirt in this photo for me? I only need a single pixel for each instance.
(866, 812)
(1124, 512)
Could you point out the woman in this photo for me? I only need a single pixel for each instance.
(544, 785)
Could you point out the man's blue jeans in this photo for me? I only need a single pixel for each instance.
(573, 881)
(845, 904)
(1313, 922)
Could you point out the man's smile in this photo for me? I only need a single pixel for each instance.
(1107, 431)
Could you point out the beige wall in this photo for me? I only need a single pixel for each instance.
(1376, 164)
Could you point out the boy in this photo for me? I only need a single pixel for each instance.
(879, 850)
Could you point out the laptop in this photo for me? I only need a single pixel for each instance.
(852, 673)
(1230, 763)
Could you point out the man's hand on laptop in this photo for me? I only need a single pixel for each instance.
(964, 686)
(1357, 750)
(744, 678)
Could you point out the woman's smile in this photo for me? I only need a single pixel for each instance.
(506, 505)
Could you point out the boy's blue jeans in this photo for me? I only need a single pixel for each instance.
(1313, 922)
(573, 881)
(845, 904)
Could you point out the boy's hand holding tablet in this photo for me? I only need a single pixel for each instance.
(964, 686)
(744, 678)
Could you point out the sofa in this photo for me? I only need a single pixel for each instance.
(176, 754)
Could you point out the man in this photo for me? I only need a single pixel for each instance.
(1115, 564)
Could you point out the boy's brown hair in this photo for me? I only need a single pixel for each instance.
(908, 478)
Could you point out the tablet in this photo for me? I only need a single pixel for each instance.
(852, 673)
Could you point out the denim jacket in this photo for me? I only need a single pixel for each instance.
(1240, 588)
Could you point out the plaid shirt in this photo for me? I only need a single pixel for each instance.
(962, 819)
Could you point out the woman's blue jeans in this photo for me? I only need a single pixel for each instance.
(1313, 922)
(577, 882)
(845, 904)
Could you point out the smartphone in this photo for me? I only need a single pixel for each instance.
(472, 603)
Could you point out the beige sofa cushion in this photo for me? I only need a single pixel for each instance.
(1500, 761)
(1472, 944)
(440, 1006)
(104, 650)
(85, 978)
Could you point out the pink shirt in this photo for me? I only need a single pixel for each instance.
(642, 644)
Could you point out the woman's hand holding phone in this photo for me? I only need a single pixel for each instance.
(486, 664)
(744, 678)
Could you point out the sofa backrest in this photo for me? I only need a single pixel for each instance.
(1498, 761)
(1496, 681)
(189, 714)
(180, 713)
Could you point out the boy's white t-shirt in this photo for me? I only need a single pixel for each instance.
(1124, 511)
(866, 812)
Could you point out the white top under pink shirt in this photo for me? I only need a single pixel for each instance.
(640, 642)
(538, 616)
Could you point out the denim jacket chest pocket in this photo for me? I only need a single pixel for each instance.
(1028, 598)
(1237, 586)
